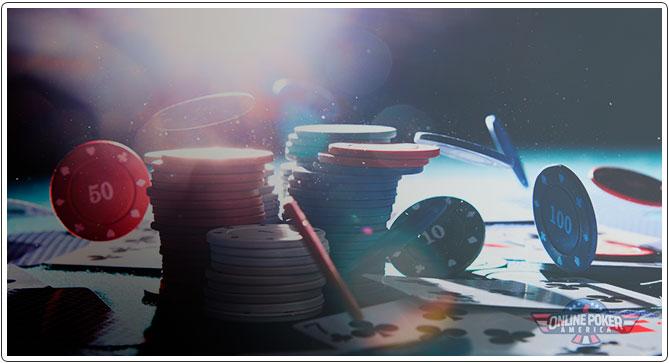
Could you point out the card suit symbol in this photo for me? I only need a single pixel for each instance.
(579, 202)
(472, 239)
(451, 263)
(110, 234)
(432, 331)
(122, 157)
(65, 171)
(588, 349)
(604, 298)
(419, 268)
(134, 213)
(536, 203)
(561, 177)
(501, 336)
(140, 183)
(78, 228)
(90, 150)
(442, 311)
(543, 179)
(562, 286)
(471, 214)
(60, 202)
(366, 329)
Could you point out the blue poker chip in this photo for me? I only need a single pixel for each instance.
(463, 150)
(317, 177)
(504, 145)
(342, 195)
(341, 187)
(447, 246)
(352, 205)
(364, 171)
(565, 218)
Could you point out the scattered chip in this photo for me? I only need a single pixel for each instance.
(463, 150)
(505, 146)
(98, 190)
(565, 218)
(371, 163)
(628, 185)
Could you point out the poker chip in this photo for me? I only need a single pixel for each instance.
(341, 187)
(207, 204)
(343, 195)
(267, 289)
(217, 157)
(366, 229)
(348, 220)
(186, 195)
(463, 150)
(371, 163)
(98, 190)
(396, 151)
(210, 222)
(447, 246)
(504, 145)
(616, 251)
(201, 179)
(206, 169)
(263, 271)
(262, 253)
(263, 318)
(346, 131)
(365, 171)
(218, 277)
(565, 218)
(262, 298)
(208, 213)
(302, 174)
(628, 185)
(210, 188)
(277, 308)
(346, 204)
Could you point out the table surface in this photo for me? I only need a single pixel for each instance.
(495, 192)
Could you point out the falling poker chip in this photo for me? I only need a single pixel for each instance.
(628, 185)
(98, 190)
(448, 246)
(565, 218)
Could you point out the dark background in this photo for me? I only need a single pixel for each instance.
(558, 78)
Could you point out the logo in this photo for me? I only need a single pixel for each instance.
(585, 318)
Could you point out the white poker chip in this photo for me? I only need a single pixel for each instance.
(262, 318)
(217, 295)
(266, 289)
(219, 277)
(262, 253)
(277, 308)
(262, 262)
(258, 236)
(263, 271)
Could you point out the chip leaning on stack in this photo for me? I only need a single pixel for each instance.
(192, 192)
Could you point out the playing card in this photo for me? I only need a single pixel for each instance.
(138, 249)
(17, 278)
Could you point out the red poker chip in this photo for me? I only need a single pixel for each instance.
(210, 222)
(207, 169)
(398, 151)
(185, 178)
(617, 251)
(212, 204)
(216, 157)
(209, 188)
(98, 190)
(185, 195)
(208, 213)
(371, 163)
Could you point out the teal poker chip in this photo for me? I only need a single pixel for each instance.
(341, 187)
(335, 238)
(302, 149)
(565, 218)
(342, 195)
(328, 211)
(346, 220)
(447, 246)
(348, 132)
(344, 204)
(364, 171)
(370, 228)
(302, 174)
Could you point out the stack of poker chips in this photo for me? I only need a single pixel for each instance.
(286, 171)
(304, 145)
(262, 273)
(350, 192)
(194, 191)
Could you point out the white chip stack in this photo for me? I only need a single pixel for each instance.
(262, 273)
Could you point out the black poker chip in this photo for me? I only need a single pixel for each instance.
(451, 242)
